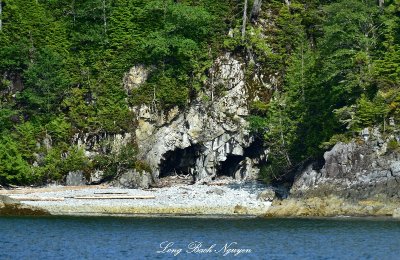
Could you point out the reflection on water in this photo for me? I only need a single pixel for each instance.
(140, 238)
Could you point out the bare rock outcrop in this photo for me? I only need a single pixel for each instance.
(211, 131)
(12, 207)
(361, 169)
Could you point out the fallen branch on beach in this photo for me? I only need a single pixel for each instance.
(113, 197)
(111, 193)
(29, 190)
(82, 197)
(37, 199)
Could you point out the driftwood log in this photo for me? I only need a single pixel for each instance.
(112, 197)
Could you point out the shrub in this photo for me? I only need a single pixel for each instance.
(13, 168)
(116, 162)
(393, 145)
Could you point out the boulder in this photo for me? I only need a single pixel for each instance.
(217, 191)
(241, 210)
(266, 195)
(97, 177)
(75, 179)
(134, 179)
(396, 213)
(13, 207)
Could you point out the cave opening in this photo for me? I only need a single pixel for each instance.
(180, 161)
(230, 165)
(235, 163)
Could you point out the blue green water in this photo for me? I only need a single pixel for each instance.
(191, 238)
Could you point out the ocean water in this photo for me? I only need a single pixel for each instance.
(197, 238)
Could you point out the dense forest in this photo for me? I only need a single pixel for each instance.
(62, 64)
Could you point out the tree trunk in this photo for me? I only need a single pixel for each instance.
(73, 11)
(381, 2)
(287, 2)
(302, 71)
(244, 19)
(256, 9)
(104, 17)
(1, 12)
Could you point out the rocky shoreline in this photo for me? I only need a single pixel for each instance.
(198, 200)
(333, 206)
(183, 200)
(359, 179)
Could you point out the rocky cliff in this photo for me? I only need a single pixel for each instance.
(364, 168)
(210, 137)
(207, 139)
(361, 177)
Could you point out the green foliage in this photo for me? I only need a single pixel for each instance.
(26, 134)
(258, 124)
(177, 47)
(350, 37)
(370, 113)
(340, 75)
(259, 108)
(393, 145)
(387, 66)
(364, 113)
(79, 112)
(59, 129)
(6, 115)
(336, 139)
(115, 162)
(170, 93)
(333, 68)
(267, 173)
(46, 82)
(58, 162)
(13, 168)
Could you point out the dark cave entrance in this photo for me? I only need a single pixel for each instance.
(180, 161)
(230, 165)
(234, 163)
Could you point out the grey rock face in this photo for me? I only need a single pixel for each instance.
(213, 129)
(358, 170)
(207, 139)
(94, 144)
(136, 76)
(96, 176)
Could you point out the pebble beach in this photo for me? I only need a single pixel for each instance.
(180, 200)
